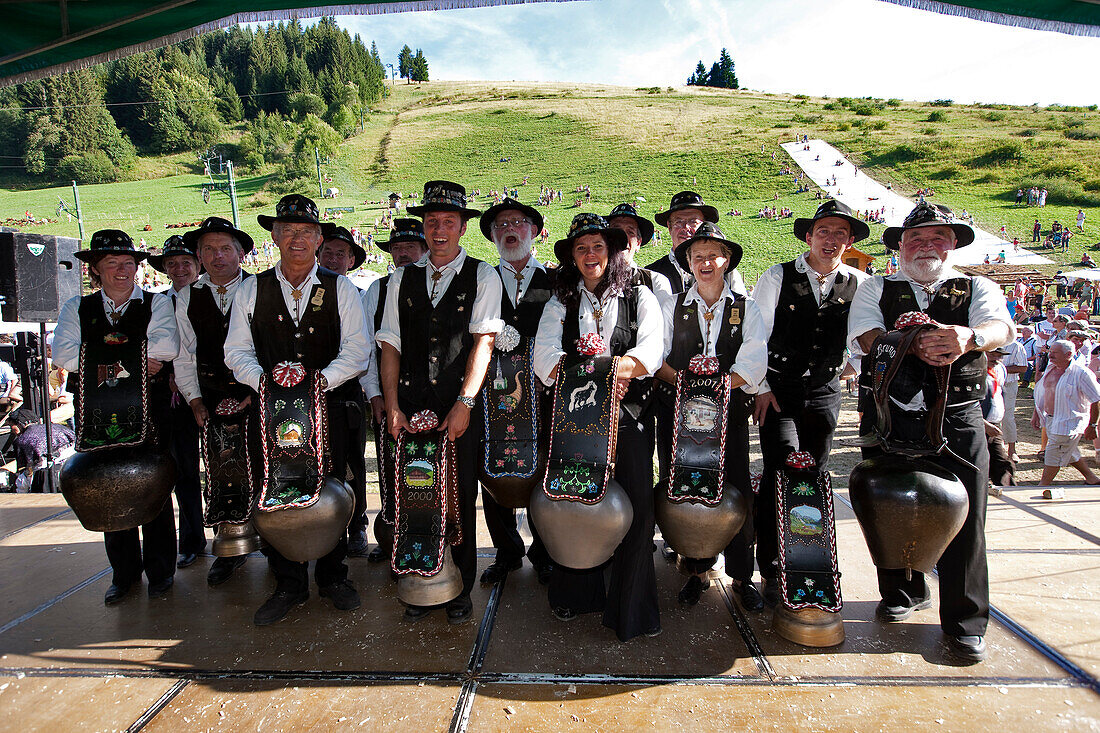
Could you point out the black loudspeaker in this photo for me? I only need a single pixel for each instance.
(38, 273)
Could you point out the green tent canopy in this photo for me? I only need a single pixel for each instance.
(46, 37)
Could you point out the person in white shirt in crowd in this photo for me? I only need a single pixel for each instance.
(1030, 346)
(1015, 364)
(1002, 470)
(1065, 405)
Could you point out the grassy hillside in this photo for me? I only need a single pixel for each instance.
(650, 143)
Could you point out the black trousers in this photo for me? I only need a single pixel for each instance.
(465, 553)
(964, 575)
(806, 422)
(629, 603)
(154, 552)
(1002, 471)
(347, 422)
(185, 449)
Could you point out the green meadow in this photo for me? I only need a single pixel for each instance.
(643, 145)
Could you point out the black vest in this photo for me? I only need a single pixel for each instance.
(807, 336)
(314, 342)
(525, 316)
(379, 311)
(211, 328)
(950, 305)
(435, 340)
(679, 282)
(624, 337)
(687, 338)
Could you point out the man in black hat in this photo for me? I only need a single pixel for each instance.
(437, 334)
(406, 245)
(301, 313)
(683, 216)
(177, 260)
(804, 305)
(526, 288)
(340, 253)
(202, 317)
(119, 312)
(639, 232)
(972, 319)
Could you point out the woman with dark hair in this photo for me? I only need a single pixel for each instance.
(593, 298)
(710, 329)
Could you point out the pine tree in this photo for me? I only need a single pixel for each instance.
(418, 67)
(699, 78)
(403, 60)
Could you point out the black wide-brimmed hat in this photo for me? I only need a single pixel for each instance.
(444, 196)
(331, 231)
(405, 230)
(109, 242)
(710, 231)
(925, 214)
(290, 209)
(174, 245)
(589, 224)
(216, 224)
(688, 200)
(833, 208)
(645, 226)
(508, 204)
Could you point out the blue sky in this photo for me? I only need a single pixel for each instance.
(833, 47)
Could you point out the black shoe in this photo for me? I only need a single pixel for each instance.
(115, 594)
(751, 600)
(378, 554)
(416, 613)
(160, 588)
(771, 592)
(222, 569)
(187, 559)
(655, 631)
(692, 591)
(460, 609)
(343, 595)
(967, 648)
(544, 571)
(499, 570)
(561, 613)
(899, 606)
(357, 543)
(278, 606)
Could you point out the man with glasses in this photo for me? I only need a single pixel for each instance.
(685, 214)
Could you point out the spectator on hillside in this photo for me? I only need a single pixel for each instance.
(1060, 283)
(1065, 406)
(1035, 231)
(1080, 220)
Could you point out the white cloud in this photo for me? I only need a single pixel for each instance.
(834, 47)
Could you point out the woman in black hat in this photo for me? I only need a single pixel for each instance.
(593, 295)
(118, 312)
(710, 321)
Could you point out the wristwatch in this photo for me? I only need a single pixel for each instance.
(468, 401)
(979, 339)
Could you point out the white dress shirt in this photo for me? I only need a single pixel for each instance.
(649, 348)
(370, 380)
(484, 316)
(987, 303)
(662, 288)
(351, 359)
(766, 295)
(751, 363)
(161, 332)
(1016, 357)
(1070, 403)
(186, 364)
(515, 287)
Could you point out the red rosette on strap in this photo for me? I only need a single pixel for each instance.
(703, 365)
(423, 420)
(912, 318)
(288, 373)
(227, 407)
(590, 344)
(800, 459)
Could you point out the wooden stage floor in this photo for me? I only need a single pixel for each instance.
(195, 662)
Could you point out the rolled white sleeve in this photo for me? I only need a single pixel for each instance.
(548, 350)
(766, 295)
(485, 317)
(186, 365)
(240, 350)
(355, 343)
(649, 348)
(164, 344)
(987, 303)
(370, 381)
(390, 332)
(66, 337)
(865, 314)
(752, 358)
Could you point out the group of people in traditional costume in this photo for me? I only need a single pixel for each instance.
(550, 386)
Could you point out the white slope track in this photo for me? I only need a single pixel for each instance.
(862, 193)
